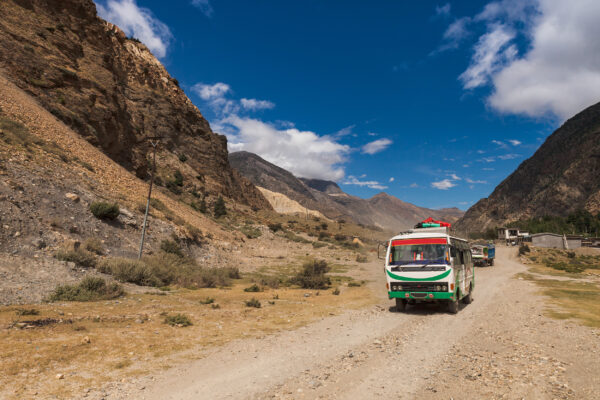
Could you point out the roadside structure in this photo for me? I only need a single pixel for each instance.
(512, 235)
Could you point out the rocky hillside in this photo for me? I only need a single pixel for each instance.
(326, 197)
(114, 93)
(562, 176)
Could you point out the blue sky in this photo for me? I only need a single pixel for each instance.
(433, 102)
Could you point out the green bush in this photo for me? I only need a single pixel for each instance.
(339, 237)
(79, 256)
(132, 271)
(524, 248)
(180, 320)
(208, 300)
(183, 158)
(295, 238)
(274, 227)
(27, 311)
(253, 303)
(94, 245)
(89, 289)
(324, 235)
(171, 247)
(312, 275)
(253, 288)
(361, 259)
(104, 210)
(251, 232)
(336, 292)
(219, 208)
(318, 245)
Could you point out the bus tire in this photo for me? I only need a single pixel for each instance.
(400, 305)
(453, 306)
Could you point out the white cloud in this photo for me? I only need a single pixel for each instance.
(254, 104)
(492, 51)
(480, 151)
(352, 180)
(138, 22)
(303, 153)
(475, 181)
(514, 142)
(345, 131)
(392, 179)
(443, 10)
(487, 159)
(376, 146)
(444, 184)
(558, 74)
(454, 177)
(204, 6)
(371, 133)
(466, 165)
(488, 169)
(414, 185)
(508, 156)
(211, 92)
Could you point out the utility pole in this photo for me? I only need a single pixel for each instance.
(154, 141)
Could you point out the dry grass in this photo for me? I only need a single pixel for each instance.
(571, 299)
(32, 357)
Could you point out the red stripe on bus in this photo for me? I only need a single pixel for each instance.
(418, 241)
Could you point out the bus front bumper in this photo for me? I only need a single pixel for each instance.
(421, 295)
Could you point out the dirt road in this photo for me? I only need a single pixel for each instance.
(500, 346)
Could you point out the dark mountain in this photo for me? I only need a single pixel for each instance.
(113, 92)
(562, 176)
(326, 197)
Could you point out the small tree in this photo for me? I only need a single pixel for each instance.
(219, 208)
(202, 206)
(104, 210)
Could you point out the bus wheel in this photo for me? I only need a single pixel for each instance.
(453, 306)
(468, 299)
(400, 305)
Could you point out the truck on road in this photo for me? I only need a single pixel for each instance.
(483, 254)
(429, 265)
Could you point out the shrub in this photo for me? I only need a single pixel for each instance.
(27, 311)
(180, 320)
(336, 292)
(104, 210)
(253, 288)
(127, 270)
(215, 306)
(571, 254)
(79, 256)
(89, 289)
(361, 259)
(268, 281)
(208, 300)
(94, 245)
(219, 208)
(253, 303)
(317, 245)
(183, 158)
(171, 247)
(524, 248)
(251, 232)
(312, 275)
(295, 238)
(324, 235)
(274, 227)
(324, 226)
(339, 237)
(354, 284)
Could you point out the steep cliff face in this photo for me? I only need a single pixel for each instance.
(562, 176)
(114, 93)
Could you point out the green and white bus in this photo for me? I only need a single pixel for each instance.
(429, 265)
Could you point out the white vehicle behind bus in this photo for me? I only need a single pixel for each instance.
(429, 265)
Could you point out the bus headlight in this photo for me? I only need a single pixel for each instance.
(445, 288)
(438, 288)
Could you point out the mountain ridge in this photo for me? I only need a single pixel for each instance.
(326, 197)
(563, 175)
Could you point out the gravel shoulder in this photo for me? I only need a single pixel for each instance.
(500, 346)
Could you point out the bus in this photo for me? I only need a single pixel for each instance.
(429, 265)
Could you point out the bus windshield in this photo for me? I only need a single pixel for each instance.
(417, 251)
